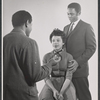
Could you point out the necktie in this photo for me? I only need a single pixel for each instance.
(71, 28)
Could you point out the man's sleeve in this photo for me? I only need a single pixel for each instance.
(90, 43)
(32, 69)
(44, 63)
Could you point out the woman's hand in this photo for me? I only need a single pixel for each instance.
(60, 97)
(56, 94)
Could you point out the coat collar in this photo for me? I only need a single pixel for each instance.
(77, 27)
(17, 30)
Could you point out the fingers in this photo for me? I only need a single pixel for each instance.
(73, 69)
(71, 66)
(60, 97)
(71, 63)
(52, 62)
(56, 94)
(57, 58)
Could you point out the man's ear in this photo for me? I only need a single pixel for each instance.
(79, 13)
(26, 23)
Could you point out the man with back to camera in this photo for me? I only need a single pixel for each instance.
(21, 62)
(81, 44)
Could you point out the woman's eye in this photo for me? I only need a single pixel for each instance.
(58, 40)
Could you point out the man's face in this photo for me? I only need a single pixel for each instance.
(29, 29)
(72, 14)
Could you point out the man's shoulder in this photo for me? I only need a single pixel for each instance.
(26, 40)
(84, 23)
(30, 42)
(66, 26)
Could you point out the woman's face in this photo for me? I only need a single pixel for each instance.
(57, 42)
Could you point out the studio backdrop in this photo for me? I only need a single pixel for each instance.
(50, 14)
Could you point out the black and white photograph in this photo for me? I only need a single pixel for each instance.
(49, 50)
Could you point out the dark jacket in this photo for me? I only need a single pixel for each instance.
(81, 44)
(21, 67)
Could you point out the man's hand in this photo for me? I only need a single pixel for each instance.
(52, 62)
(73, 65)
(56, 58)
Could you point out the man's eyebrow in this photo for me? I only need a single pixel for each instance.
(70, 13)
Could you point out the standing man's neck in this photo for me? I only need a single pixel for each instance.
(77, 19)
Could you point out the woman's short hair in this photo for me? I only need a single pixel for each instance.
(57, 32)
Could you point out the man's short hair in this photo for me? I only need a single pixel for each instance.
(21, 17)
(57, 32)
(76, 6)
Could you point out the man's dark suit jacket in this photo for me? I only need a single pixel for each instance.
(81, 44)
(21, 67)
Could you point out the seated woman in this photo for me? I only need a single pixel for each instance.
(58, 85)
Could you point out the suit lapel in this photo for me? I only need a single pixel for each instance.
(77, 27)
(67, 30)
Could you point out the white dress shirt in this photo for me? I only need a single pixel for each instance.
(75, 23)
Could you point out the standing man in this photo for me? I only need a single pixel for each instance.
(21, 63)
(81, 44)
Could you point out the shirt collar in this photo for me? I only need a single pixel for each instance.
(76, 22)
